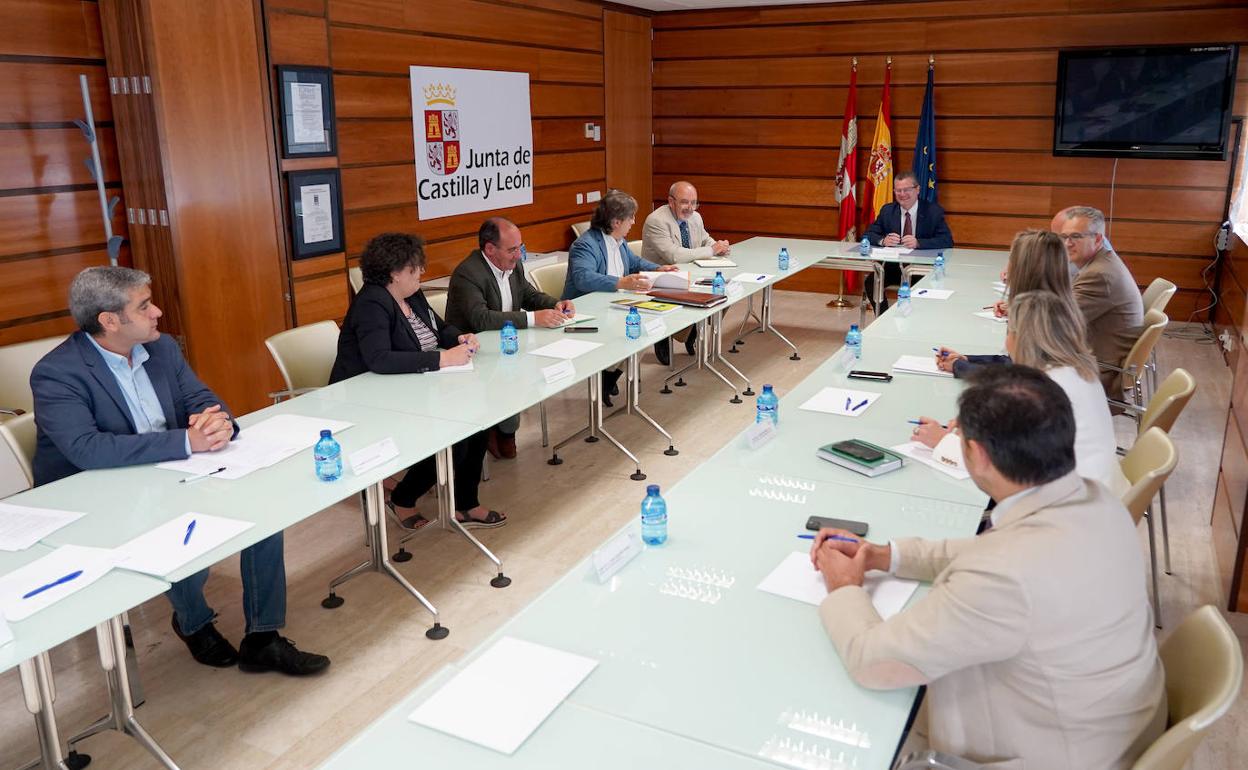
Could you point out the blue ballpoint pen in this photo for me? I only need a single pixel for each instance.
(189, 529)
(921, 292)
(53, 584)
(860, 405)
(940, 352)
(848, 401)
(918, 422)
(830, 537)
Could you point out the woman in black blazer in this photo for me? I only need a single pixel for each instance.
(390, 329)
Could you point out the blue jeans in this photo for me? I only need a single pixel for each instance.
(263, 568)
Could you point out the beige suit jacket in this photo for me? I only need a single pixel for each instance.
(1035, 641)
(660, 238)
(1113, 310)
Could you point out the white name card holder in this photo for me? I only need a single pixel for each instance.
(734, 289)
(365, 459)
(559, 371)
(656, 328)
(760, 433)
(615, 553)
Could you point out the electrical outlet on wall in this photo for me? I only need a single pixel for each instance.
(589, 130)
(580, 199)
(593, 196)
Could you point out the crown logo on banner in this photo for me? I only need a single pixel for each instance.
(439, 93)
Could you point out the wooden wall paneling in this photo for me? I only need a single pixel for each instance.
(53, 221)
(296, 38)
(53, 325)
(53, 28)
(53, 157)
(40, 285)
(628, 107)
(369, 96)
(475, 19)
(308, 7)
(321, 298)
(48, 93)
(328, 263)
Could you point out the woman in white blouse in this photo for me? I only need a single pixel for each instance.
(1046, 334)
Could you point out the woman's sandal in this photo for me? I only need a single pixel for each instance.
(491, 520)
(412, 523)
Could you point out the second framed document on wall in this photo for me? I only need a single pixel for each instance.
(315, 212)
(307, 112)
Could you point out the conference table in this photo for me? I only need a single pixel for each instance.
(716, 516)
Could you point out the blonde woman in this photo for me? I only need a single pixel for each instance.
(1046, 333)
(1037, 263)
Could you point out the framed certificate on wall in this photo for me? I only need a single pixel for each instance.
(308, 124)
(315, 212)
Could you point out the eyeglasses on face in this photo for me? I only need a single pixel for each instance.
(684, 202)
(1075, 237)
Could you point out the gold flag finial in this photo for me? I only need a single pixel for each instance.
(889, 60)
(854, 62)
(931, 61)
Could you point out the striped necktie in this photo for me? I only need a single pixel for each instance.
(684, 234)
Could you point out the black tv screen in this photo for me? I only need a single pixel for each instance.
(1159, 102)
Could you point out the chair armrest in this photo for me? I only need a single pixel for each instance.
(11, 412)
(281, 394)
(1135, 411)
(936, 760)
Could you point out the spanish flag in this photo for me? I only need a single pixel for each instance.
(878, 189)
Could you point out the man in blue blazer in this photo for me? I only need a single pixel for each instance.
(118, 393)
(909, 223)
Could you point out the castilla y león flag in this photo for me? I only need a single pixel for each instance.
(847, 166)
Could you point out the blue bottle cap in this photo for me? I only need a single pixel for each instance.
(326, 433)
(853, 327)
(766, 388)
(652, 489)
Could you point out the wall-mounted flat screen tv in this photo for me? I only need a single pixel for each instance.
(1157, 102)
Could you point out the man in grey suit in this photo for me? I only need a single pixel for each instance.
(1036, 639)
(488, 289)
(118, 393)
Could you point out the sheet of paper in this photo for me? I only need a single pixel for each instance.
(932, 293)
(795, 578)
(451, 369)
(916, 451)
(317, 213)
(842, 401)
(991, 316)
(160, 551)
(577, 319)
(306, 113)
(47, 580)
(678, 279)
(751, 277)
(21, 527)
(259, 446)
(714, 263)
(1000, 287)
(500, 698)
(885, 252)
(566, 349)
(919, 365)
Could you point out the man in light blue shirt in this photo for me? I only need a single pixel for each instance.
(118, 393)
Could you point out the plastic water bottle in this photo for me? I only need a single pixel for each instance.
(328, 457)
(783, 260)
(524, 253)
(509, 339)
(903, 299)
(718, 283)
(653, 517)
(853, 341)
(938, 270)
(632, 324)
(768, 406)
(864, 247)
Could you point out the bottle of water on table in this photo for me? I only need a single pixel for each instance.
(718, 283)
(509, 340)
(853, 341)
(864, 247)
(653, 517)
(783, 260)
(632, 324)
(903, 299)
(328, 456)
(768, 406)
(938, 270)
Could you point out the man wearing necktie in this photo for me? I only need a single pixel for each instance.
(672, 234)
(908, 223)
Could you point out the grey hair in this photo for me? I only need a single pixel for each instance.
(615, 205)
(102, 290)
(1096, 220)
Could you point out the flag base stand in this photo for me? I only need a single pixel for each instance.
(839, 302)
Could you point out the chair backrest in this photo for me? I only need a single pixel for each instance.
(1154, 324)
(16, 361)
(1147, 465)
(579, 228)
(1158, 294)
(549, 279)
(305, 354)
(17, 452)
(1168, 402)
(1204, 668)
(437, 301)
(635, 247)
(356, 278)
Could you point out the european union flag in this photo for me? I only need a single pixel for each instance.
(925, 145)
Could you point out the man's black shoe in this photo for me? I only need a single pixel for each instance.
(208, 646)
(663, 352)
(691, 341)
(610, 386)
(269, 651)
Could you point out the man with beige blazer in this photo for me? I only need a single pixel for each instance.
(1105, 291)
(1036, 639)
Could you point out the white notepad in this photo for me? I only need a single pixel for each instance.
(51, 578)
(916, 451)
(751, 278)
(468, 367)
(796, 578)
(500, 698)
(576, 319)
(566, 349)
(919, 365)
(840, 401)
(21, 526)
(167, 547)
(931, 293)
(258, 446)
(714, 263)
(991, 316)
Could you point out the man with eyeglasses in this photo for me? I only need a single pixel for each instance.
(488, 289)
(1104, 288)
(675, 233)
(907, 223)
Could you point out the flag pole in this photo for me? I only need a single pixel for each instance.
(839, 302)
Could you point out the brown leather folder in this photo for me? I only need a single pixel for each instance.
(689, 298)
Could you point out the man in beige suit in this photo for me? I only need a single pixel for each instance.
(675, 233)
(1105, 291)
(1036, 639)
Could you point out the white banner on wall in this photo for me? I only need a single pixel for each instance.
(474, 140)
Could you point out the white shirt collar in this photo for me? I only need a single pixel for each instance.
(913, 211)
(1007, 503)
(500, 275)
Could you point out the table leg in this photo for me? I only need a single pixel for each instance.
(749, 313)
(706, 346)
(40, 693)
(595, 428)
(767, 307)
(446, 513)
(111, 640)
(634, 402)
(717, 351)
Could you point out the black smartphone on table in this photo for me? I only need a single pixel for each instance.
(816, 523)
(863, 374)
(579, 329)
